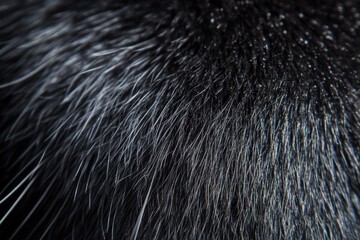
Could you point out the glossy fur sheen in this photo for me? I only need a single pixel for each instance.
(195, 119)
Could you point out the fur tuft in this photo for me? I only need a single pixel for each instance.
(180, 119)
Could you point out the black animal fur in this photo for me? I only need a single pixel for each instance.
(196, 119)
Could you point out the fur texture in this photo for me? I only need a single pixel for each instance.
(197, 119)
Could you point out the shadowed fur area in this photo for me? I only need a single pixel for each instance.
(169, 119)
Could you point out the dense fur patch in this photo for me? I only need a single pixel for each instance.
(180, 119)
